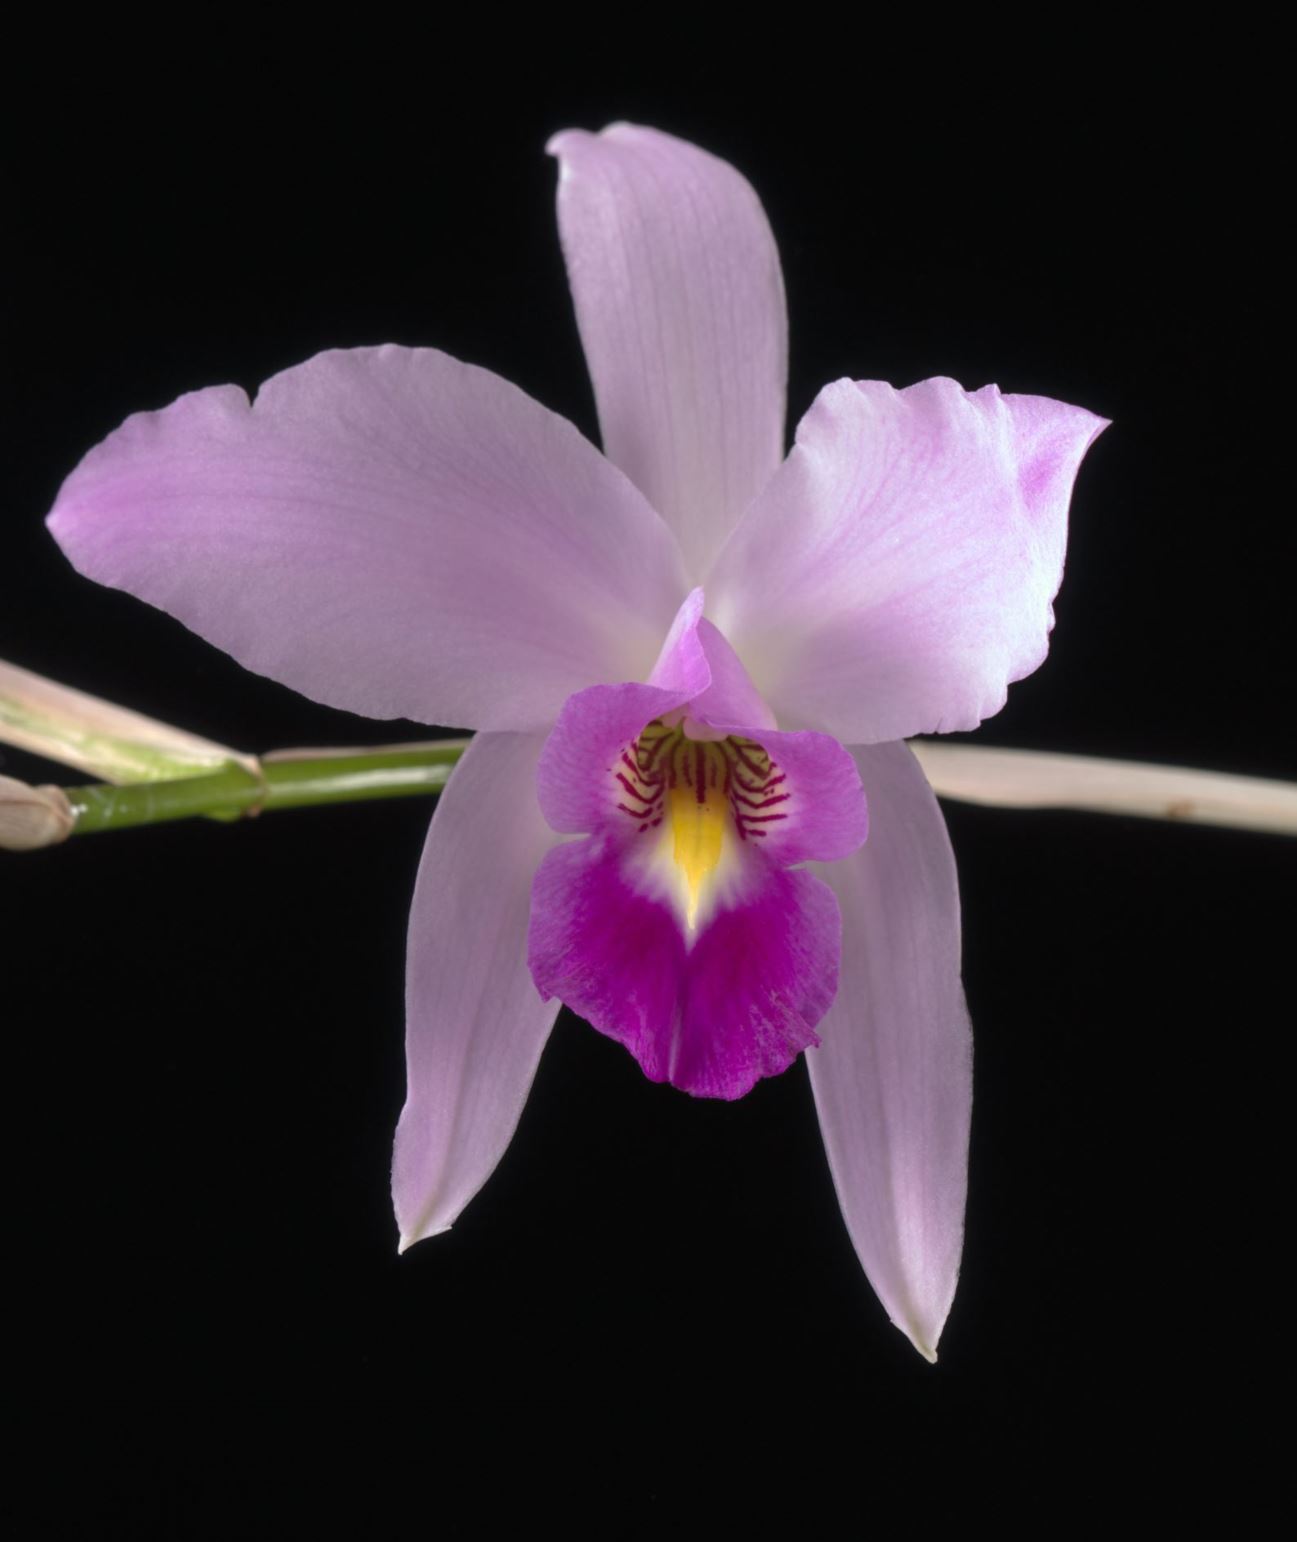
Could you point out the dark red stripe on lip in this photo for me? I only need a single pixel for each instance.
(644, 797)
(764, 785)
(746, 760)
(662, 758)
(660, 744)
(779, 797)
(635, 813)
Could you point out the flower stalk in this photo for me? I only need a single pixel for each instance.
(295, 779)
(998, 778)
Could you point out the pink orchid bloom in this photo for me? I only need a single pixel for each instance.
(664, 650)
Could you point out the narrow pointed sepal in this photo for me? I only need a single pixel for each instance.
(892, 1075)
(680, 302)
(476, 1024)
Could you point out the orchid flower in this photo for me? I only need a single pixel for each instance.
(688, 660)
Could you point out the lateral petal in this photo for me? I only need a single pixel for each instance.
(893, 1073)
(898, 572)
(680, 302)
(386, 530)
(476, 1024)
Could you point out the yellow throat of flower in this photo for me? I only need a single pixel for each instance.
(700, 820)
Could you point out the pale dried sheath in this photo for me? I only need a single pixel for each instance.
(32, 817)
(1031, 779)
(111, 742)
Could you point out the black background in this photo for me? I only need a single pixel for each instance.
(652, 1312)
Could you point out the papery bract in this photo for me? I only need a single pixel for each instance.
(664, 652)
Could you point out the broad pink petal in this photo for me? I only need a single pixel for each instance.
(898, 571)
(476, 1024)
(680, 303)
(714, 1018)
(386, 530)
(893, 1074)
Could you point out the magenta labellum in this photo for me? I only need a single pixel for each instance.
(676, 927)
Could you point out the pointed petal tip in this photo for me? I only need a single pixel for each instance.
(408, 1240)
(925, 1339)
(1089, 425)
(918, 1337)
(930, 1355)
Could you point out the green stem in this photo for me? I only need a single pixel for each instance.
(41, 816)
(293, 781)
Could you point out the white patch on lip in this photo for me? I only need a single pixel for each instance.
(692, 862)
(691, 799)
